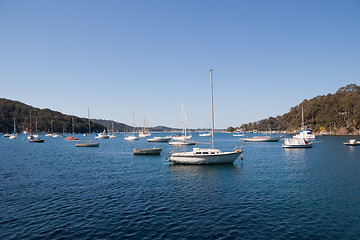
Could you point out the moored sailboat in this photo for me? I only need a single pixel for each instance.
(91, 143)
(206, 156)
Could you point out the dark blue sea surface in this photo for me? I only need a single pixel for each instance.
(57, 191)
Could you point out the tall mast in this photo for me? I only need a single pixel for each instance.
(36, 125)
(30, 122)
(14, 126)
(72, 120)
(212, 111)
(89, 120)
(302, 118)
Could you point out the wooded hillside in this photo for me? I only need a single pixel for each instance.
(61, 122)
(336, 113)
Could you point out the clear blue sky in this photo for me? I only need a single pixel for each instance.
(147, 57)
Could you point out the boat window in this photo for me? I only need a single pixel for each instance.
(198, 152)
(212, 153)
(205, 153)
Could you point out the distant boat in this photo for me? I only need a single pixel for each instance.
(205, 134)
(203, 155)
(296, 143)
(32, 138)
(144, 132)
(91, 143)
(58, 135)
(182, 143)
(36, 140)
(261, 139)
(147, 151)
(352, 142)
(112, 133)
(102, 135)
(238, 134)
(7, 135)
(183, 139)
(159, 139)
(72, 138)
(14, 135)
(131, 137)
(305, 133)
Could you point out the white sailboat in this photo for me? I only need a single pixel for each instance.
(203, 155)
(14, 135)
(131, 137)
(112, 134)
(305, 133)
(184, 139)
(144, 132)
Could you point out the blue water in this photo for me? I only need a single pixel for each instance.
(57, 191)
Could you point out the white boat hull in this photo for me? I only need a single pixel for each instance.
(261, 139)
(159, 139)
(181, 138)
(296, 143)
(182, 143)
(202, 159)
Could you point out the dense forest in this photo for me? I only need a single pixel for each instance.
(45, 118)
(337, 113)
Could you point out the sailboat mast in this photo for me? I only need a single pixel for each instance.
(302, 118)
(72, 120)
(30, 122)
(212, 111)
(14, 126)
(89, 120)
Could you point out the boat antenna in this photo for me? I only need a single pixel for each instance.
(212, 111)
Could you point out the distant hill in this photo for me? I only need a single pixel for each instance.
(61, 122)
(336, 113)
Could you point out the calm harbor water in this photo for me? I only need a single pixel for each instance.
(57, 191)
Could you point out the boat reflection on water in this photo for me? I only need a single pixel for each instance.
(185, 172)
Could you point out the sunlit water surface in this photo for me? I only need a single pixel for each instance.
(55, 191)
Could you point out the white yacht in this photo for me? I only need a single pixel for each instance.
(296, 143)
(305, 133)
(102, 135)
(203, 155)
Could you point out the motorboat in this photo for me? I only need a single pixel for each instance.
(238, 134)
(131, 137)
(211, 155)
(296, 143)
(261, 139)
(147, 151)
(205, 134)
(159, 139)
(36, 140)
(7, 135)
(58, 135)
(102, 135)
(13, 136)
(352, 142)
(305, 133)
(70, 138)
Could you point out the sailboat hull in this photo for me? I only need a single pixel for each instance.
(202, 159)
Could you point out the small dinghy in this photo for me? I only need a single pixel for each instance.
(147, 151)
(352, 142)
